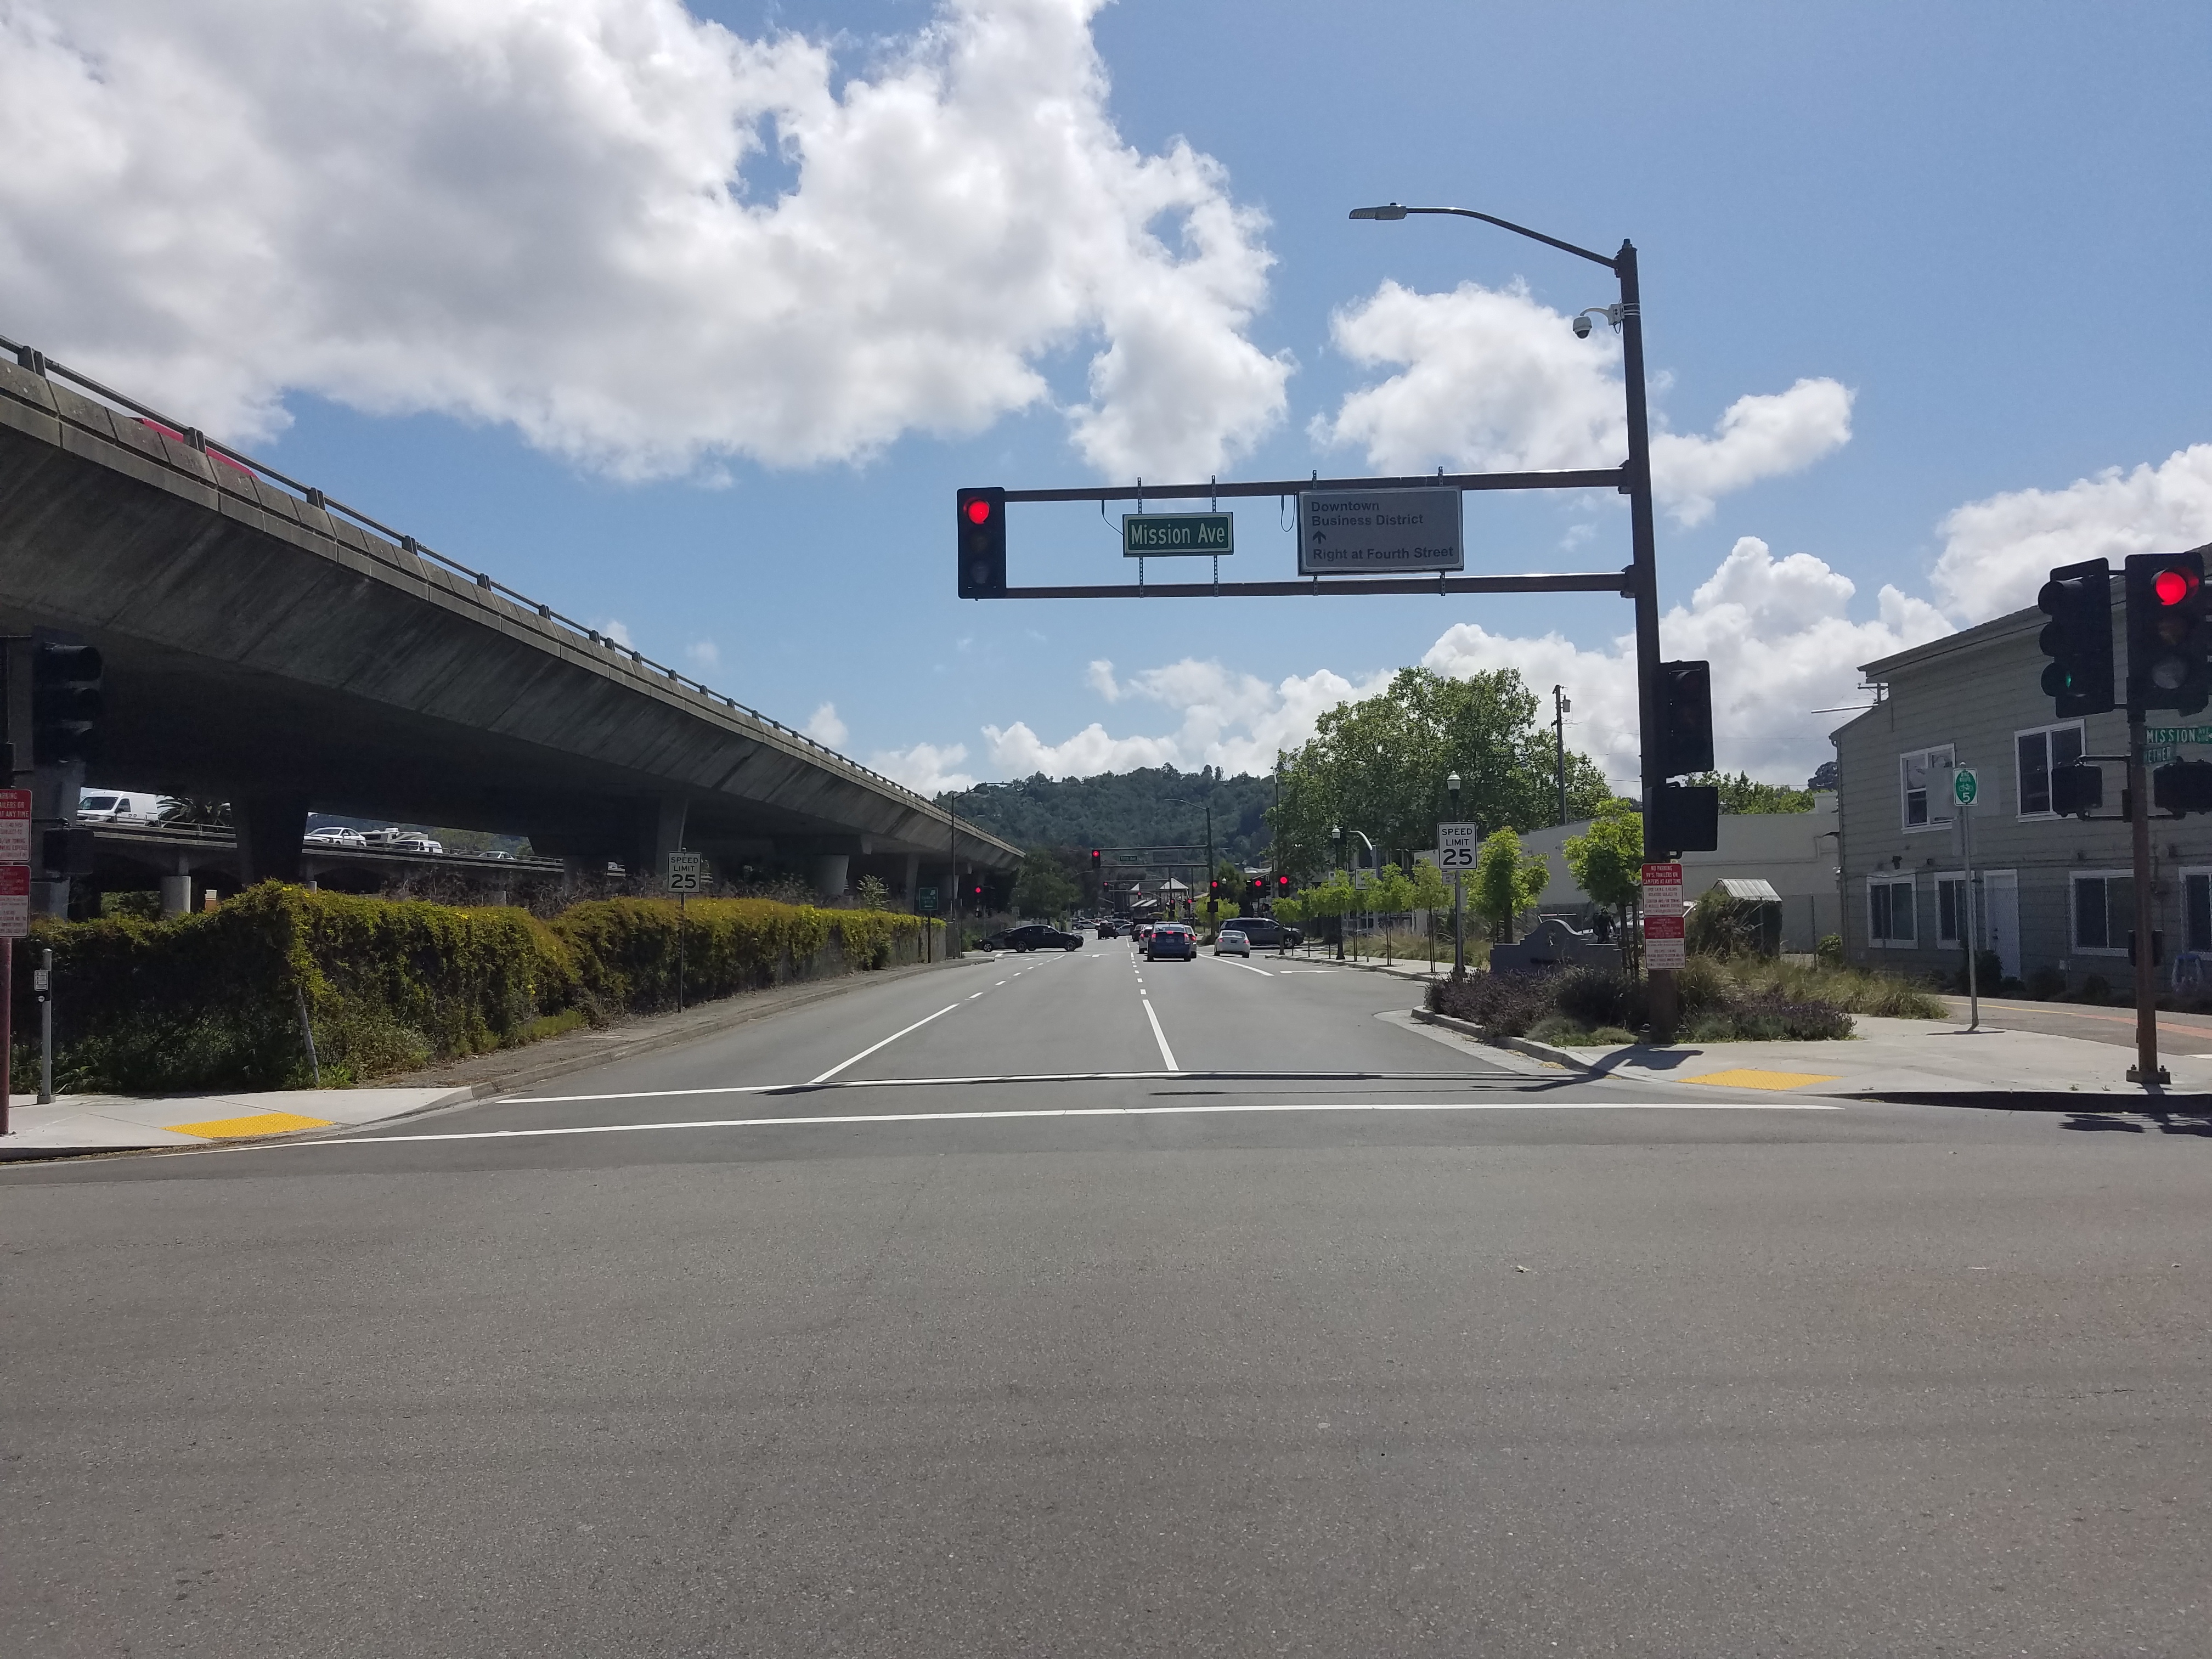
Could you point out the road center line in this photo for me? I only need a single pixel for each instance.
(885, 1043)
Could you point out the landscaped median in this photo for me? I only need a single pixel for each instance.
(232, 999)
(1726, 1000)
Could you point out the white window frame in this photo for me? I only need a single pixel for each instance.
(1926, 757)
(1937, 879)
(2188, 872)
(2073, 947)
(2019, 774)
(1909, 880)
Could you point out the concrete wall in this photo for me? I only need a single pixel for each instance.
(1794, 851)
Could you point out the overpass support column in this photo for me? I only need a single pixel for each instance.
(177, 889)
(270, 828)
(830, 871)
(659, 832)
(912, 875)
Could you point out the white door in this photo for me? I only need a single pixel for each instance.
(2000, 918)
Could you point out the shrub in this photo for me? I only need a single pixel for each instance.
(2096, 989)
(2046, 983)
(1829, 952)
(216, 1000)
(1507, 1004)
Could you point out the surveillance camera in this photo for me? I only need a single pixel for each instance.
(1582, 328)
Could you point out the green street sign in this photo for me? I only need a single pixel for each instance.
(1965, 786)
(925, 900)
(2178, 734)
(1170, 535)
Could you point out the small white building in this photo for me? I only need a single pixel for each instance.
(1794, 853)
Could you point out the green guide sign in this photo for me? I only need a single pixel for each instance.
(1169, 535)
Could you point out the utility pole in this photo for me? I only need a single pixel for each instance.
(2146, 1070)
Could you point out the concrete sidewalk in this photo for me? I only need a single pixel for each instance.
(76, 1124)
(1908, 1060)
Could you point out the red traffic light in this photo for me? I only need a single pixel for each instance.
(979, 511)
(1283, 883)
(2172, 585)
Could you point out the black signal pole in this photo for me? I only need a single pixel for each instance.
(1642, 572)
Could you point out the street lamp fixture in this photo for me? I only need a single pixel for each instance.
(1643, 572)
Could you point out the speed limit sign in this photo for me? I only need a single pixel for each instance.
(686, 871)
(1455, 845)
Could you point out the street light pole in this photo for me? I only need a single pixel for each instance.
(1642, 572)
(1458, 894)
(1336, 858)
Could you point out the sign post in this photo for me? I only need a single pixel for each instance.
(686, 870)
(1664, 948)
(925, 903)
(1966, 789)
(1455, 847)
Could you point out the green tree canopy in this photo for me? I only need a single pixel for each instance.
(1043, 888)
(1607, 863)
(1379, 765)
(1740, 794)
(1507, 881)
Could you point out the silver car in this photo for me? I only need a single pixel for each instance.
(1231, 941)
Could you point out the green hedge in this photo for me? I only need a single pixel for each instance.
(215, 1000)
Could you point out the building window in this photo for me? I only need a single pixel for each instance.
(1890, 910)
(2196, 909)
(1926, 777)
(2103, 912)
(2038, 751)
(1950, 909)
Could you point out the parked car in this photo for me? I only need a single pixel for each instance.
(1264, 932)
(1232, 942)
(331, 835)
(1171, 939)
(1036, 936)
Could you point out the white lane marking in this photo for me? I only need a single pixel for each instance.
(972, 995)
(885, 1043)
(1209, 1110)
(1246, 966)
(1441, 1079)
(1167, 1054)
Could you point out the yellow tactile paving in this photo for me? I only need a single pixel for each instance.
(261, 1123)
(1747, 1078)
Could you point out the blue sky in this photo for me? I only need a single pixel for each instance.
(1956, 254)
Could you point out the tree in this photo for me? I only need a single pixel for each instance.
(1043, 888)
(1393, 894)
(1607, 863)
(872, 893)
(1740, 794)
(1379, 765)
(1429, 894)
(1507, 881)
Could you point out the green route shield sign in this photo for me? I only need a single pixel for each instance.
(1172, 534)
(1965, 786)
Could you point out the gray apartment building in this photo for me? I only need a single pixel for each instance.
(2052, 892)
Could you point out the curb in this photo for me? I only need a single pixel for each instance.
(1519, 1045)
(2038, 1100)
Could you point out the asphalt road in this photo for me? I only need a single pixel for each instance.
(950, 1317)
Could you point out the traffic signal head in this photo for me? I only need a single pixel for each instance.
(1282, 884)
(1094, 860)
(2169, 643)
(2078, 638)
(982, 541)
(2182, 787)
(66, 703)
(2078, 789)
(1685, 718)
(1689, 820)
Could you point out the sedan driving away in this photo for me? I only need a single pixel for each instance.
(1228, 940)
(1171, 939)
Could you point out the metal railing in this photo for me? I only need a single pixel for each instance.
(45, 366)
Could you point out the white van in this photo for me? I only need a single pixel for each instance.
(114, 807)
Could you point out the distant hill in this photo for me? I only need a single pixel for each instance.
(1153, 804)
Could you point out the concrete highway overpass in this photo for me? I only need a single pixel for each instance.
(268, 646)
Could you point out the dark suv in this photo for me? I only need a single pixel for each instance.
(1265, 933)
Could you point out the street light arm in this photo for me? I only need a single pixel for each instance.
(1393, 211)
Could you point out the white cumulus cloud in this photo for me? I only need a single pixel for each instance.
(823, 726)
(1780, 640)
(1494, 381)
(641, 239)
(1998, 552)
(927, 768)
